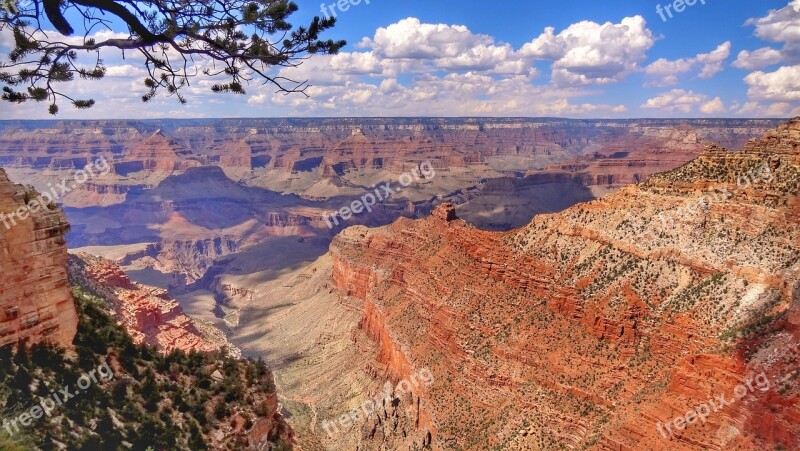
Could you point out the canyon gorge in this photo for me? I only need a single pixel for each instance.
(535, 275)
(586, 329)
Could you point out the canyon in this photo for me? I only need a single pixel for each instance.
(170, 209)
(589, 328)
(147, 313)
(535, 275)
(63, 311)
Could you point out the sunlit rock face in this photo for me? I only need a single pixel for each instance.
(147, 313)
(598, 326)
(35, 299)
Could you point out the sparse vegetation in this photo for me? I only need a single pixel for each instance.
(154, 401)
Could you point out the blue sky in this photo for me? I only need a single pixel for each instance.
(570, 58)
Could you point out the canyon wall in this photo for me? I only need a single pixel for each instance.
(293, 155)
(147, 313)
(598, 326)
(35, 298)
(194, 192)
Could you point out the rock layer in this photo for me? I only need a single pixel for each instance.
(147, 313)
(36, 303)
(595, 327)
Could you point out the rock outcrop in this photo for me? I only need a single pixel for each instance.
(36, 302)
(148, 314)
(598, 326)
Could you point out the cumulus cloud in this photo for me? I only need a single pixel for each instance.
(410, 45)
(780, 26)
(453, 94)
(757, 59)
(712, 63)
(410, 67)
(677, 100)
(334, 69)
(664, 72)
(713, 106)
(775, 93)
(409, 38)
(587, 53)
(780, 86)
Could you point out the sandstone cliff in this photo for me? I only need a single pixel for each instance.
(35, 299)
(594, 327)
(148, 314)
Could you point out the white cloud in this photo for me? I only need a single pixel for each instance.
(757, 59)
(258, 99)
(779, 26)
(780, 86)
(677, 100)
(453, 94)
(713, 107)
(333, 69)
(547, 46)
(775, 93)
(355, 63)
(409, 38)
(588, 53)
(412, 46)
(485, 58)
(125, 70)
(663, 72)
(712, 63)
(411, 68)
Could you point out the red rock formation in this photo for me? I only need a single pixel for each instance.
(351, 144)
(35, 299)
(147, 313)
(587, 328)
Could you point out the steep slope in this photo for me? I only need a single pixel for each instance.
(147, 313)
(163, 382)
(117, 395)
(35, 300)
(598, 326)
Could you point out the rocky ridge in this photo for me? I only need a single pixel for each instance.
(589, 328)
(148, 314)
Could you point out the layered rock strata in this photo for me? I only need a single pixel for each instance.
(147, 313)
(36, 303)
(597, 327)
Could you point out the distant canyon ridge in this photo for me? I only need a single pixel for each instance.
(583, 328)
(185, 199)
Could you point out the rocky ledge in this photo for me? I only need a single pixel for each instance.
(589, 328)
(147, 313)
